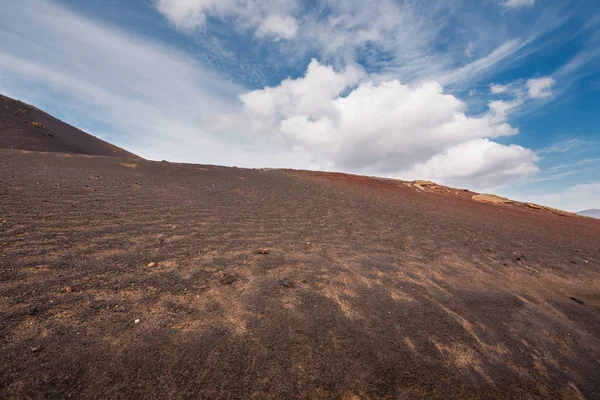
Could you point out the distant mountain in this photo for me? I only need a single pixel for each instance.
(592, 212)
(24, 127)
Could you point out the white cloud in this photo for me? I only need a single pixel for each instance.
(349, 25)
(188, 14)
(311, 95)
(498, 89)
(269, 18)
(278, 27)
(503, 108)
(397, 38)
(478, 163)
(386, 128)
(518, 3)
(390, 26)
(340, 31)
(540, 87)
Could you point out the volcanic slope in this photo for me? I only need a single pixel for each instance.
(25, 127)
(130, 279)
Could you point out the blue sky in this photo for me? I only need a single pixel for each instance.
(494, 95)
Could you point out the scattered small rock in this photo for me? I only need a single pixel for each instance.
(575, 299)
(137, 321)
(151, 265)
(35, 349)
(227, 279)
(286, 282)
(68, 289)
(262, 251)
(32, 310)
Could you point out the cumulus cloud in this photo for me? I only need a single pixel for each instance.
(478, 163)
(518, 3)
(540, 87)
(269, 18)
(350, 123)
(311, 95)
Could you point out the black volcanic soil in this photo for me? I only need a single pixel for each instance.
(370, 288)
(25, 127)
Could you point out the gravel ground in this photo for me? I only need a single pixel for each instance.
(129, 279)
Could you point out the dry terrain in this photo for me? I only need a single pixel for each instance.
(126, 279)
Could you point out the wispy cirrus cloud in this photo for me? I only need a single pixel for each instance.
(565, 146)
(395, 39)
(391, 39)
(576, 164)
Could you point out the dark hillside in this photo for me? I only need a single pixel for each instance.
(124, 279)
(25, 127)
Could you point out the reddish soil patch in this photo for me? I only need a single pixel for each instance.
(25, 127)
(370, 289)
